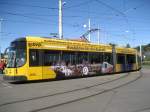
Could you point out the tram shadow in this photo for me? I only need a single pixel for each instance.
(61, 78)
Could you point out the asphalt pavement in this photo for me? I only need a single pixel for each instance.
(111, 93)
(133, 97)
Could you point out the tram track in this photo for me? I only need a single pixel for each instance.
(78, 89)
(79, 99)
(4, 83)
(82, 98)
(59, 94)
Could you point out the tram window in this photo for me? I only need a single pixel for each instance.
(108, 57)
(34, 56)
(51, 57)
(73, 58)
(69, 57)
(120, 59)
(101, 57)
(66, 57)
(105, 65)
(130, 59)
(82, 57)
(95, 58)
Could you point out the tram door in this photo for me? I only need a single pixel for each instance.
(49, 59)
(124, 63)
(121, 62)
(35, 64)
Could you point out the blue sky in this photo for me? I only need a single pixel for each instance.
(120, 21)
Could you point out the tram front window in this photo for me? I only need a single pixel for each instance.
(16, 57)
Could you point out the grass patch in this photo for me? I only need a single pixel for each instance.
(146, 66)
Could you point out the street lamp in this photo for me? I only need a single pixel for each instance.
(89, 28)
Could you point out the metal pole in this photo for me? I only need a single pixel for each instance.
(60, 20)
(98, 35)
(89, 30)
(0, 35)
(141, 53)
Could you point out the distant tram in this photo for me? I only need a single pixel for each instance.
(37, 58)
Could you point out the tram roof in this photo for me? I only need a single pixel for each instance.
(80, 42)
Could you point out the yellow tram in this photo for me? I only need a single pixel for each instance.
(39, 58)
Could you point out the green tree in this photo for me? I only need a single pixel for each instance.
(128, 46)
